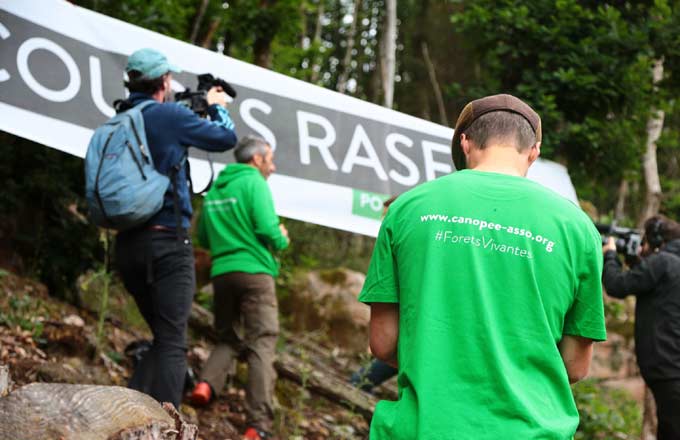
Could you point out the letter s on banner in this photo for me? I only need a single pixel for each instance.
(4, 34)
(245, 109)
(71, 89)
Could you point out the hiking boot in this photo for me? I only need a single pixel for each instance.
(202, 394)
(255, 434)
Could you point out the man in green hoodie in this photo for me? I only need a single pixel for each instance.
(241, 229)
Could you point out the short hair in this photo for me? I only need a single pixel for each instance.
(661, 225)
(388, 202)
(501, 125)
(248, 146)
(137, 83)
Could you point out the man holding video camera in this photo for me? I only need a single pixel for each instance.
(655, 282)
(156, 260)
(485, 291)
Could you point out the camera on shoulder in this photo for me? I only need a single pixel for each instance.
(197, 100)
(628, 240)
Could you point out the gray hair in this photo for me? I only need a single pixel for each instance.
(249, 146)
(501, 125)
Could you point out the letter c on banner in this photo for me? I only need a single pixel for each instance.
(247, 116)
(4, 34)
(66, 94)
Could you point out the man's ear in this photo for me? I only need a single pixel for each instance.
(534, 152)
(465, 144)
(167, 83)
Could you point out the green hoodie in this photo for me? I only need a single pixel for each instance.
(239, 225)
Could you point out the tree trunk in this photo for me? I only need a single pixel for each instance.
(262, 47)
(303, 23)
(347, 61)
(389, 52)
(214, 24)
(443, 118)
(651, 169)
(197, 21)
(620, 210)
(316, 66)
(262, 52)
(651, 207)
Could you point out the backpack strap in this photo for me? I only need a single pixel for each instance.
(141, 107)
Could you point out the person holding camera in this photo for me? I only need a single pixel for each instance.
(655, 282)
(156, 260)
(485, 291)
(240, 227)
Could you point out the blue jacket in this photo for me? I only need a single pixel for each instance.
(170, 129)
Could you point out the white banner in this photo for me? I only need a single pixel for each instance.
(338, 158)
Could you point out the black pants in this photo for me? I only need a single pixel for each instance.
(158, 270)
(667, 397)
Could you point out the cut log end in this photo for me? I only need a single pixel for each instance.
(47, 411)
(4, 380)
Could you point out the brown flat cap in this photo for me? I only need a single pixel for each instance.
(482, 106)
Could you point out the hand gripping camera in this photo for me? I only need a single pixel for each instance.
(628, 240)
(197, 101)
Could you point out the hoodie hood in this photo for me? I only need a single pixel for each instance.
(672, 247)
(233, 172)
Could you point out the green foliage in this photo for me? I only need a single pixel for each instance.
(606, 413)
(584, 66)
(204, 299)
(22, 313)
(105, 275)
(41, 218)
(91, 287)
(171, 18)
(318, 247)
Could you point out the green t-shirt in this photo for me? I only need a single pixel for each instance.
(490, 271)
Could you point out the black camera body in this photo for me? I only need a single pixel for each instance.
(628, 240)
(197, 101)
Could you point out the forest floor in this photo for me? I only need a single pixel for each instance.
(43, 339)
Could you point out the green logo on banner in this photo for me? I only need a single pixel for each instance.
(368, 204)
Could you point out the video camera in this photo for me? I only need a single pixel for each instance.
(628, 240)
(197, 101)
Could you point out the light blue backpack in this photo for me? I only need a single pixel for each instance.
(122, 187)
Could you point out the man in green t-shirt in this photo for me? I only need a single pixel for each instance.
(485, 290)
(239, 226)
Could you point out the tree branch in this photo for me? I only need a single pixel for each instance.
(435, 84)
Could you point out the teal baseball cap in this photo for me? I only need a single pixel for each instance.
(150, 63)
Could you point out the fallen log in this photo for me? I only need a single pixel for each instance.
(4, 380)
(325, 385)
(47, 411)
(310, 372)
